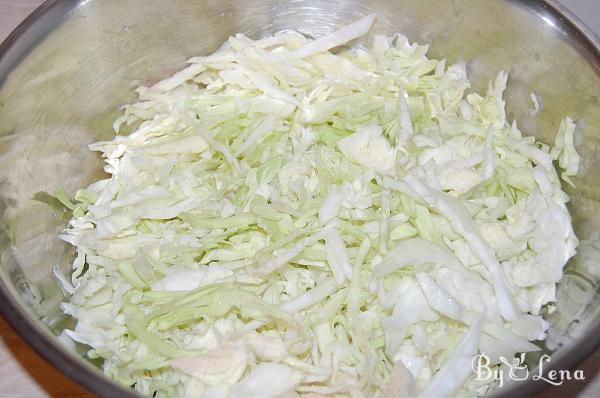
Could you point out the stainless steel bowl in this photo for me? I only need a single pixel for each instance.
(66, 70)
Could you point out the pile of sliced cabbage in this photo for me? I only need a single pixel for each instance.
(287, 221)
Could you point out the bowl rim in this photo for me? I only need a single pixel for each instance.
(50, 14)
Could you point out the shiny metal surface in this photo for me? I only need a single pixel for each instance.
(67, 69)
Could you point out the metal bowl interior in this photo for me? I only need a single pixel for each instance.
(67, 69)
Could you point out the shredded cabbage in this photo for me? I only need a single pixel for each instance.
(286, 221)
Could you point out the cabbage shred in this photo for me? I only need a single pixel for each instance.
(285, 221)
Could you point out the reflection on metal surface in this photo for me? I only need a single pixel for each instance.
(549, 21)
(69, 68)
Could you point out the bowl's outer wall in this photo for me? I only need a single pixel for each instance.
(65, 74)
